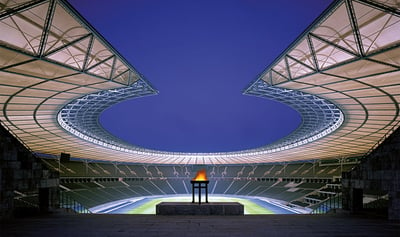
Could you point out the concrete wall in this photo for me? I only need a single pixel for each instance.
(379, 172)
(22, 172)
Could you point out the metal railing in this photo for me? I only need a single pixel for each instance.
(71, 204)
(329, 205)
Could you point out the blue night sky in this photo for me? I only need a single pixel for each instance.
(200, 55)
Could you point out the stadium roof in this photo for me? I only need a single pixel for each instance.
(57, 74)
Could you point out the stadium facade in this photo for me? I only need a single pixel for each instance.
(57, 75)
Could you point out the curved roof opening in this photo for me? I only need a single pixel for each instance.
(231, 124)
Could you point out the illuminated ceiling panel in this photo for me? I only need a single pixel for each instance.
(342, 76)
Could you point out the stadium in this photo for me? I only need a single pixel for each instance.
(58, 74)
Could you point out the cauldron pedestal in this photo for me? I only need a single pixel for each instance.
(187, 208)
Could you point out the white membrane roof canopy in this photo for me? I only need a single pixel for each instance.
(57, 74)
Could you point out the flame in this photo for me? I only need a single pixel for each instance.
(201, 175)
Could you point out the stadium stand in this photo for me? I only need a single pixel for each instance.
(318, 184)
(300, 183)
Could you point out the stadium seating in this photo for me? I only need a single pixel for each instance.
(301, 184)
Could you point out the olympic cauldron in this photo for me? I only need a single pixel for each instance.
(200, 182)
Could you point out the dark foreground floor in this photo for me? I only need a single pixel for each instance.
(150, 225)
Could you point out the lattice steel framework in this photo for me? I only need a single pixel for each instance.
(319, 117)
(348, 60)
(81, 116)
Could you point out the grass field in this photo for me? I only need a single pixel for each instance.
(250, 208)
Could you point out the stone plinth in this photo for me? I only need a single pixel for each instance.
(187, 208)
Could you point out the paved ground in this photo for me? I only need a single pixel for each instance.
(61, 225)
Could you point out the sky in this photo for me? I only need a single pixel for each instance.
(200, 56)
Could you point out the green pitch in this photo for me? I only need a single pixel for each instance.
(250, 208)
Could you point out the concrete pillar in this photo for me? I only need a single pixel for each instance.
(356, 200)
(44, 198)
(21, 171)
(346, 198)
(394, 206)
